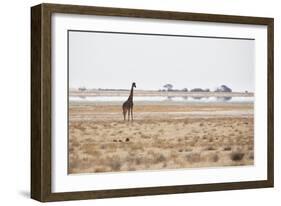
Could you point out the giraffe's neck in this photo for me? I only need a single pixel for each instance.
(131, 93)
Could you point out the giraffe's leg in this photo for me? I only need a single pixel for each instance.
(128, 114)
(124, 113)
(132, 114)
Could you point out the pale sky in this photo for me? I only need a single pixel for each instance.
(106, 60)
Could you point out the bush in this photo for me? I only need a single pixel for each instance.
(237, 156)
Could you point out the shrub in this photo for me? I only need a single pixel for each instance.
(210, 148)
(159, 158)
(237, 156)
(214, 158)
(227, 148)
(193, 157)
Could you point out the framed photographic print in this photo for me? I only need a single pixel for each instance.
(130, 102)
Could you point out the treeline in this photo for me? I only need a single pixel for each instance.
(222, 88)
(166, 87)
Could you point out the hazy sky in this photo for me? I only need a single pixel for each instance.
(105, 60)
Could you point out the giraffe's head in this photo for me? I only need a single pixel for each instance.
(134, 85)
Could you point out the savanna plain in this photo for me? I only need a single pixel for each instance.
(163, 135)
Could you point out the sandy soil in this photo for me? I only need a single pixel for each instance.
(162, 136)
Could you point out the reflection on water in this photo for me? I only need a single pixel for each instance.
(224, 99)
(198, 98)
(205, 99)
(170, 98)
(187, 99)
(82, 97)
(218, 99)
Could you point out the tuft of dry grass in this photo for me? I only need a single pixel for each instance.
(210, 148)
(91, 149)
(115, 163)
(144, 136)
(251, 156)
(237, 156)
(227, 148)
(214, 157)
(193, 157)
(100, 169)
(159, 158)
(160, 130)
(188, 150)
(75, 144)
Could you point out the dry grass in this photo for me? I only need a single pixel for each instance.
(237, 156)
(100, 141)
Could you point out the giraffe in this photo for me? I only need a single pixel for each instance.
(128, 104)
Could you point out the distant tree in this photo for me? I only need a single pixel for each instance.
(223, 88)
(197, 90)
(82, 89)
(185, 90)
(169, 87)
